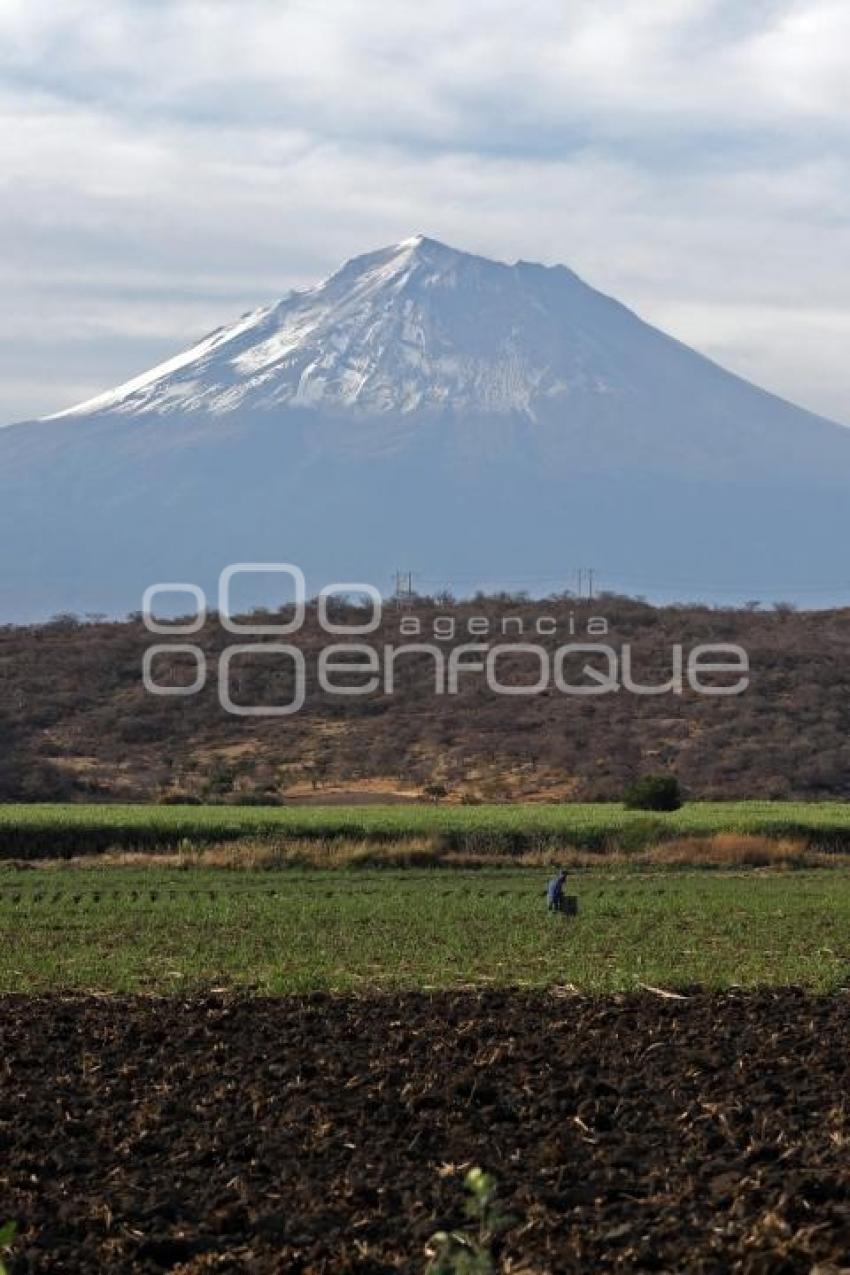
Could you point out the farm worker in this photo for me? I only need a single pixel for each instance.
(554, 890)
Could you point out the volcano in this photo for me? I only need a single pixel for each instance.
(478, 423)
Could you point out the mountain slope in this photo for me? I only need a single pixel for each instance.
(77, 722)
(422, 406)
(417, 326)
(421, 330)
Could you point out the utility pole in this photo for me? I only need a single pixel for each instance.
(582, 574)
(403, 589)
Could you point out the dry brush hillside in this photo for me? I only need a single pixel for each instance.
(76, 722)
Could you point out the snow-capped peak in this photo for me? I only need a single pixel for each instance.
(414, 326)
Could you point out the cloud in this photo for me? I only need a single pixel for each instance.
(164, 166)
(437, 73)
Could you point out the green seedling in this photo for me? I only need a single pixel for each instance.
(470, 1251)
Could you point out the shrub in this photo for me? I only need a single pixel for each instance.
(654, 792)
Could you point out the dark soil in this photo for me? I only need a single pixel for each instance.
(327, 1135)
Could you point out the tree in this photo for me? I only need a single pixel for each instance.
(654, 792)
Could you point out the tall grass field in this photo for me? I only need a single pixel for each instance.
(35, 831)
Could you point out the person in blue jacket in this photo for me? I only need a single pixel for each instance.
(554, 890)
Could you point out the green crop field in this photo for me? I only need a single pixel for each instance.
(154, 929)
(44, 830)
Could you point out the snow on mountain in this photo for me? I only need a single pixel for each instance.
(426, 408)
(414, 326)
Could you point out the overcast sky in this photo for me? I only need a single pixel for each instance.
(167, 164)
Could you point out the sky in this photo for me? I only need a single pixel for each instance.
(166, 165)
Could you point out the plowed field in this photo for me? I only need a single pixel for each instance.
(325, 1134)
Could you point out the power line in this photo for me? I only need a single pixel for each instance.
(588, 576)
